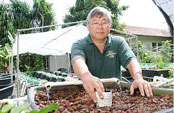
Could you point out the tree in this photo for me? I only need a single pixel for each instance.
(42, 14)
(81, 9)
(5, 23)
(19, 15)
(4, 58)
(12, 17)
(22, 14)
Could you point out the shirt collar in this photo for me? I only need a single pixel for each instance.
(108, 42)
(89, 39)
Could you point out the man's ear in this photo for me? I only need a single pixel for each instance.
(110, 25)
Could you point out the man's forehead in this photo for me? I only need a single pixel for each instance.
(96, 17)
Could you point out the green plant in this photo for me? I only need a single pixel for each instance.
(4, 58)
(32, 62)
(158, 61)
(6, 24)
(158, 58)
(5, 55)
(171, 72)
(140, 52)
(166, 51)
(11, 108)
(147, 56)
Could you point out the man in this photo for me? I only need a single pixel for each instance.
(100, 55)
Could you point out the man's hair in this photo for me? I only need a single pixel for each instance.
(98, 11)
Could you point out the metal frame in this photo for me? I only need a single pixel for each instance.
(21, 30)
(18, 33)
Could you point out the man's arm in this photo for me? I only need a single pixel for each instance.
(90, 83)
(135, 69)
(136, 72)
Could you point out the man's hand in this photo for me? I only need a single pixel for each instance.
(136, 72)
(144, 87)
(92, 84)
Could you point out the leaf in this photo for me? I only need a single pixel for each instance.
(8, 48)
(7, 108)
(51, 107)
(20, 108)
(33, 111)
(10, 37)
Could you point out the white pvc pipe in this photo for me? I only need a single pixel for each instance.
(17, 63)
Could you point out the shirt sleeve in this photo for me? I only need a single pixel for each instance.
(125, 53)
(77, 49)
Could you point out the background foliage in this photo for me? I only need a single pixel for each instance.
(8, 107)
(163, 55)
(81, 9)
(20, 15)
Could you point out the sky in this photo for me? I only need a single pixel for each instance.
(61, 7)
(142, 13)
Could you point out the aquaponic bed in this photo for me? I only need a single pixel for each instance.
(72, 98)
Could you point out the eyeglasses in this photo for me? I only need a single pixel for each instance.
(103, 24)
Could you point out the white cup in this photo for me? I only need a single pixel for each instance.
(106, 101)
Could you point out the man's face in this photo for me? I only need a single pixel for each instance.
(99, 27)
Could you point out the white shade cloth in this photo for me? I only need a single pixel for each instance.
(56, 42)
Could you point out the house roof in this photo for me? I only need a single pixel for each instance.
(146, 31)
(114, 31)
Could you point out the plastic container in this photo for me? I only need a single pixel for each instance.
(63, 86)
(6, 91)
(106, 101)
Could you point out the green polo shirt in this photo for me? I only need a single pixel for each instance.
(107, 64)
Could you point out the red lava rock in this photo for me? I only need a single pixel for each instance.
(78, 101)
